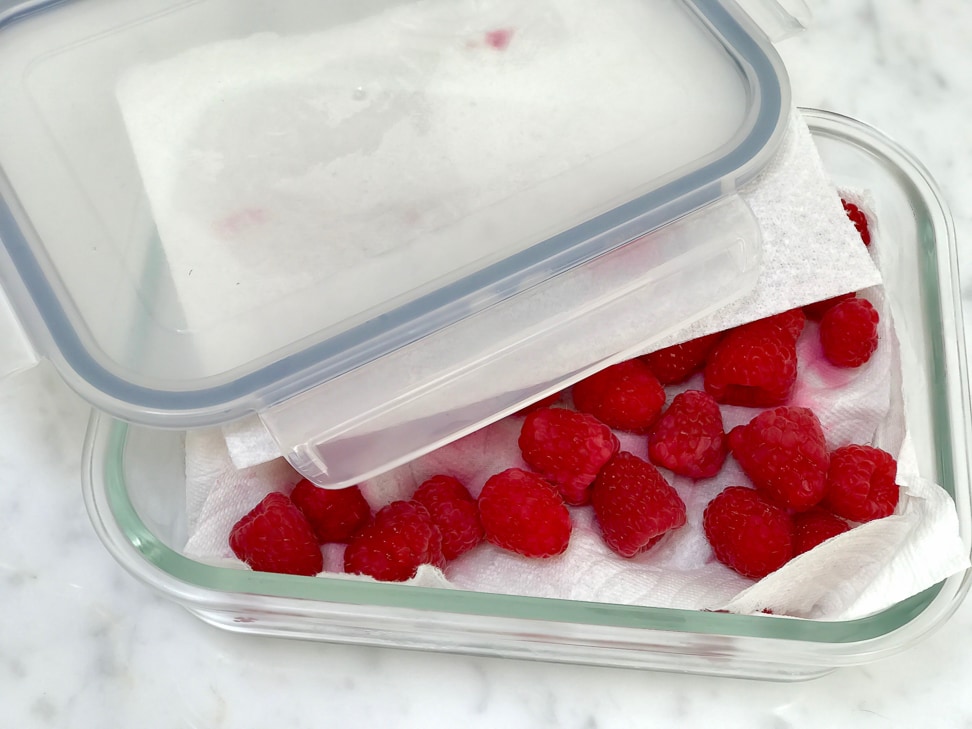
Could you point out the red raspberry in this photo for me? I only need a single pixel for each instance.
(817, 309)
(626, 396)
(815, 527)
(849, 332)
(789, 322)
(524, 514)
(634, 505)
(454, 512)
(784, 453)
(334, 514)
(861, 483)
(402, 515)
(401, 538)
(677, 363)
(568, 449)
(859, 219)
(755, 366)
(276, 537)
(747, 533)
(689, 439)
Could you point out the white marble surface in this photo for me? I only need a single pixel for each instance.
(82, 645)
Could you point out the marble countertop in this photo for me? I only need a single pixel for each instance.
(83, 646)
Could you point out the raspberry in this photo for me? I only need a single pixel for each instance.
(859, 219)
(861, 483)
(755, 366)
(689, 439)
(401, 538)
(817, 309)
(404, 515)
(815, 527)
(849, 332)
(677, 363)
(789, 322)
(784, 453)
(747, 533)
(276, 537)
(334, 514)
(567, 448)
(626, 396)
(524, 514)
(454, 512)
(634, 505)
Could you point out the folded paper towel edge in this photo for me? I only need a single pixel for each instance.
(249, 442)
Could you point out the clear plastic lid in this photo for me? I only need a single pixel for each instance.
(377, 224)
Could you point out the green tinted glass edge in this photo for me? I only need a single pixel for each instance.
(931, 289)
(228, 580)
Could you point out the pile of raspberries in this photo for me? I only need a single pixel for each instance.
(799, 493)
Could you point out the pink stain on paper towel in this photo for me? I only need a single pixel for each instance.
(499, 38)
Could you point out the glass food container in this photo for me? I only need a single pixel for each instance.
(159, 245)
(134, 479)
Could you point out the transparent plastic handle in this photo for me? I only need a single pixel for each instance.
(16, 352)
(778, 19)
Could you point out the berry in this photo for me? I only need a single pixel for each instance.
(789, 323)
(276, 537)
(454, 512)
(849, 332)
(567, 448)
(334, 514)
(677, 363)
(689, 439)
(755, 365)
(815, 527)
(406, 515)
(634, 505)
(861, 483)
(626, 396)
(747, 533)
(401, 538)
(859, 219)
(524, 514)
(784, 453)
(817, 309)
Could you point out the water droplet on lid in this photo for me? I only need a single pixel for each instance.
(359, 94)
